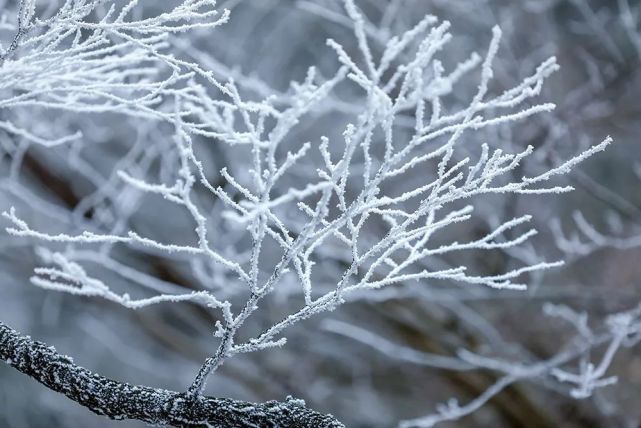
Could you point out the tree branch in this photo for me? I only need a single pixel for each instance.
(155, 406)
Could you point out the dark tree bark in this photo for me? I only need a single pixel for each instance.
(155, 406)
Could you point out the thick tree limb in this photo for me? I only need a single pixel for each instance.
(155, 406)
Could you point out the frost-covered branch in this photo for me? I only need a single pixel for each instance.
(155, 406)
(269, 207)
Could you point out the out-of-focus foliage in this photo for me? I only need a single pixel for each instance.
(202, 128)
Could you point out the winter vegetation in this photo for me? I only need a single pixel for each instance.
(341, 201)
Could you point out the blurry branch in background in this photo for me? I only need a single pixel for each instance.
(621, 329)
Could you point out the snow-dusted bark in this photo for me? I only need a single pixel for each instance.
(152, 405)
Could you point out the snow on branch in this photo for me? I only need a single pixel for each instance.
(154, 406)
(291, 199)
